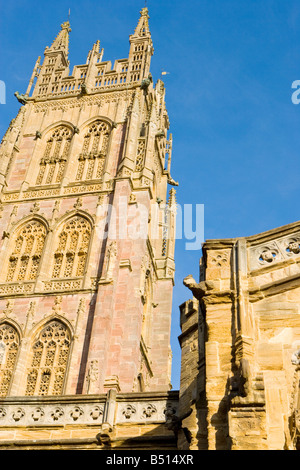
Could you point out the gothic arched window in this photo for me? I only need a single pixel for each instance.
(53, 163)
(49, 360)
(92, 158)
(9, 345)
(25, 258)
(70, 256)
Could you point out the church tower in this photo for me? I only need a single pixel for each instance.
(87, 243)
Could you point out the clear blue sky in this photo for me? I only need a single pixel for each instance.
(231, 64)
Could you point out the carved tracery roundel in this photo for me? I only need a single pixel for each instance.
(293, 247)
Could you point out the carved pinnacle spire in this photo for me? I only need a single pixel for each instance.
(61, 42)
(142, 29)
(141, 47)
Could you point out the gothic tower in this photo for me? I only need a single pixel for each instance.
(87, 240)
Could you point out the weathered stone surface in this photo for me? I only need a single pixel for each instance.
(85, 295)
(248, 379)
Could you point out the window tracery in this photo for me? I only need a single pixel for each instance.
(92, 158)
(28, 247)
(9, 345)
(70, 256)
(53, 163)
(140, 156)
(49, 360)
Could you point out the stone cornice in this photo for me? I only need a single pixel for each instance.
(274, 288)
(253, 240)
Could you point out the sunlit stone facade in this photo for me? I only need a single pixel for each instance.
(85, 299)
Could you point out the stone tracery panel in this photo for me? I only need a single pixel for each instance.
(9, 345)
(56, 152)
(27, 252)
(140, 156)
(275, 251)
(49, 359)
(95, 146)
(71, 253)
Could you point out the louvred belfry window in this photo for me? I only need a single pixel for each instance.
(71, 253)
(49, 360)
(26, 254)
(92, 158)
(53, 163)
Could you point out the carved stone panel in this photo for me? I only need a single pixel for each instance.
(279, 250)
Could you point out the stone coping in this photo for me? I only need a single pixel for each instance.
(87, 410)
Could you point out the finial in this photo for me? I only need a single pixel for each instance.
(61, 42)
(144, 11)
(66, 25)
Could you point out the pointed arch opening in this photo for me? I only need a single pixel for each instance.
(55, 155)
(91, 160)
(26, 252)
(9, 347)
(49, 360)
(72, 248)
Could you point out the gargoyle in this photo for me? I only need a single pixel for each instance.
(105, 435)
(296, 358)
(84, 89)
(174, 423)
(172, 182)
(160, 134)
(146, 83)
(21, 98)
(198, 289)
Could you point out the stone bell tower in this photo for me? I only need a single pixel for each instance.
(87, 229)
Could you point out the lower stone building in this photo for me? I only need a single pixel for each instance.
(241, 345)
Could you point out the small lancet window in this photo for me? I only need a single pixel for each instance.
(147, 309)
